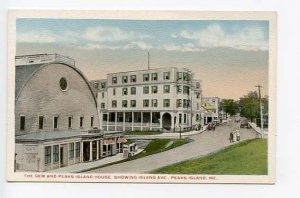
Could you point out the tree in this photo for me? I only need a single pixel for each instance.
(229, 106)
(249, 105)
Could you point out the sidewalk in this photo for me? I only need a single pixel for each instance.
(258, 129)
(84, 166)
(174, 135)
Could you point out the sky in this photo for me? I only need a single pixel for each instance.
(229, 57)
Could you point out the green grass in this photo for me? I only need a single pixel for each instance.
(245, 158)
(143, 132)
(155, 146)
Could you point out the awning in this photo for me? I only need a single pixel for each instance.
(122, 140)
(109, 141)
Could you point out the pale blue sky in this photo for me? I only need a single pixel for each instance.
(216, 51)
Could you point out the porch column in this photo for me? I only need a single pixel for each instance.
(68, 153)
(141, 121)
(115, 121)
(97, 157)
(160, 120)
(91, 151)
(132, 118)
(81, 152)
(58, 155)
(124, 121)
(51, 157)
(107, 122)
(101, 148)
(172, 121)
(150, 120)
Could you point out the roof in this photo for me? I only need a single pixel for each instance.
(55, 135)
(27, 65)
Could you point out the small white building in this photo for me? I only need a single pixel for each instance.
(211, 109)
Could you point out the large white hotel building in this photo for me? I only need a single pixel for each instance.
(167, 99)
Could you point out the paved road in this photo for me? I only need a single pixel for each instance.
(203, 144)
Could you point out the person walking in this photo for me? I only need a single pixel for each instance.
(234, 136)
(238, 137)
(231, 137)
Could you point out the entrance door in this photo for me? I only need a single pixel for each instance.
(86, 151)
(63, 155)
(109, 149)
(166, 121)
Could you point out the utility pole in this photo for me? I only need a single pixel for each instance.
(148, 61)
(261, 114)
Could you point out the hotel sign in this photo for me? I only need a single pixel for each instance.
(30, 149)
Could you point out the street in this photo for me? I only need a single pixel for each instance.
(203, 144)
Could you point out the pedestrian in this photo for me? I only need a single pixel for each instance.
(231, 137)
(238, 137)
(234, 137)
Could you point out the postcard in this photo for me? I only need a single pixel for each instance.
(141, 96)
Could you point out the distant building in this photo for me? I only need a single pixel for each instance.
(56, 116)
(211, 109)
(149, 100)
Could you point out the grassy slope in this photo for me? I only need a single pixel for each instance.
(246, 158)
(155, 146)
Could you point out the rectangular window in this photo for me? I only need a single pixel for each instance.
(180, 118)
(102, 94)
(184, 118)
(81, 121)
(146, 77)
(166, 88)
(146, 90)
(70, 122)
(104, 117)
(114, 91)
(22, 122)
(166, 75)
(77, 149)
(166, 102)
(179, 89)
(154, 76)
(102, 105)
(179, 75)
(114, 80)
(71, 150)
(103, 85)
(55, 122)
(146, 103)
(188, 103)
(185, 76)
(184, 103)
(186, 90)
(47, 154)
(124, 79)
(197, 85)
(41, 122)
(133, 103)
(154, 89)
(133, 90)
(124, 103)
(197, 106)
(178, 103)
(92, 121)
(154, 102)
(125, 90)
(133, 78)
(55, 153)
(114, 104)
(96, 85)
(198, 95)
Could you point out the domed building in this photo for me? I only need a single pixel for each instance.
(56, 115)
